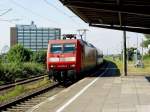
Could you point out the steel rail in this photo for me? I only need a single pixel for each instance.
(8, 86)
(27, 96)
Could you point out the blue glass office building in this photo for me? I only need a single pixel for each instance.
(33, 37)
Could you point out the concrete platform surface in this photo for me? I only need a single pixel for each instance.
(101, 94)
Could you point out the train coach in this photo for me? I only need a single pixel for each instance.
(67, 59)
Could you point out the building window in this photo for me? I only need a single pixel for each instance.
(45, 40)
(33, 40)
(34, 35)
(51, 37)
(27, 41)
(33, 44)
(26, 44)
(39, 35)
(36, 38)
(39, 44)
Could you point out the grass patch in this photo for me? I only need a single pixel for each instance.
(17, 91)
(131, 68)
(37, 85)
(20, 89)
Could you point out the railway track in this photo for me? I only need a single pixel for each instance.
(26, 102)
(8, 86)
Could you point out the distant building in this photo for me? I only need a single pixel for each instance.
(33, 37)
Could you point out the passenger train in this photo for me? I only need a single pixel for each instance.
(67, 59)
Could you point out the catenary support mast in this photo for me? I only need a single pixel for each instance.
(124, 54)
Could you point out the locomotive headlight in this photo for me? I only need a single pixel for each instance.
(52, 66)
(53, 59)
(70, 59)
(62, 59)
(73, 65)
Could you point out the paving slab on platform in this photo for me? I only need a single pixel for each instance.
(101, 94)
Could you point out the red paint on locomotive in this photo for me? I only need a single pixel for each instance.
(59, 60)
(71, 54)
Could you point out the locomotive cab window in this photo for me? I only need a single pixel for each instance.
(56, 48)
(69, 47)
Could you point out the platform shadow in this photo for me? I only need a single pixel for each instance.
(147, 78)
(107, 69)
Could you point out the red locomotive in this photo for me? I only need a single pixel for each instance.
(67, 59)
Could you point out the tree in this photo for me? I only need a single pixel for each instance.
(0, 59)
(39, 57)
(130, 53)
(19, 54)
(147, 41)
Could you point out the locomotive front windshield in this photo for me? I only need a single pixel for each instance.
(69, 48)
(56, 48)
(63, 48)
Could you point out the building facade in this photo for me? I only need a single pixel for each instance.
(33, 37)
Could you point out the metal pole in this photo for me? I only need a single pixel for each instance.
(137, 48)
(124, 54)
(142, 49)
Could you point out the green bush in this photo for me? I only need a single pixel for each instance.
(39, 57)
(19, 54)
(18, 66)
(10, 72)
(33, 68)
(0, 62)
(1, 72)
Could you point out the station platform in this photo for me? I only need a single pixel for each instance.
(101, 94)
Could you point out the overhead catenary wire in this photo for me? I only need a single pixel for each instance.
(62, 12)
(10, 20)
(7, 20)
(32, 12)
(3, 9)
(8, 10)
(55, 7)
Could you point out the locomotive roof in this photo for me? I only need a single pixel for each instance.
(129, 15)
(62, 41)
(87, 43)
(72, 40)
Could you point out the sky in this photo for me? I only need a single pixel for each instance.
(51, 13)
